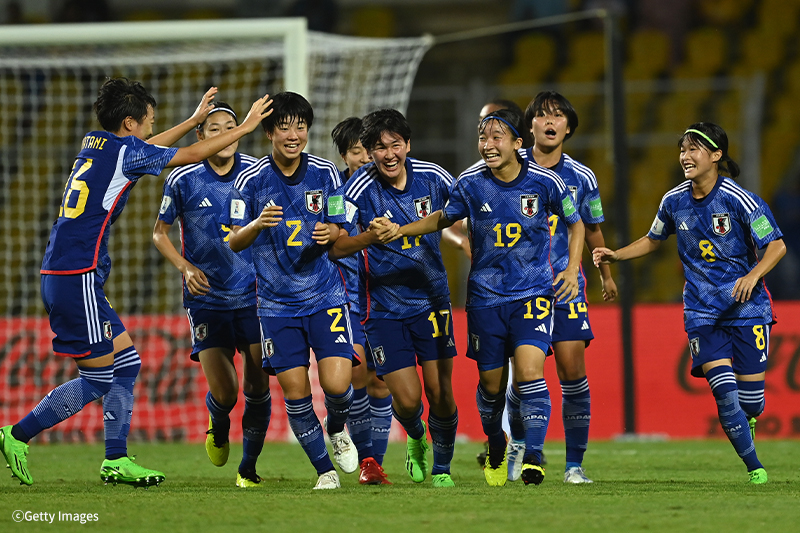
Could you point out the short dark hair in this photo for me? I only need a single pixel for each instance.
(711, 133)
(508, 117)
(219, 107)
(505, 104)
(376, 123)
(345, 134)
(549, 101)
(120, 98)
(288, 107)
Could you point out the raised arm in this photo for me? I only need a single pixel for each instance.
(638, 248)
(176, 133)
(196, 280)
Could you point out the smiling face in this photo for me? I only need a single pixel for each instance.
(218, 123)
(497, 145)
(697, 161)
(389, 155)
(289, 139)
(549, 127)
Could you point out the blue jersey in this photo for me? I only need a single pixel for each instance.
(717, 240)
(352, 266)
(509, 231)
(295, 277)
(407, 276)
(105, 170)
(198, 197)
(582, 185)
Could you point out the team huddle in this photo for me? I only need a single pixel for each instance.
(286, 255)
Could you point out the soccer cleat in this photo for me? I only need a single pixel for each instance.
(417, 458)
(495, 469)
(328, 480)
(372, 473)
(575, 474)
(442, 481)
(532, 474)
(248, 480)
(515, 451)
(758, 476)
(217, 449)
(124, 470)
(16, 454)
(752, 423)
(344, 451)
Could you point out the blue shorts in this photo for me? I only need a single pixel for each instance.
(230, 329)
(80, 315)
(286, 341)
(572, 323)
(397, 344)
(746, 346)
(495, 332)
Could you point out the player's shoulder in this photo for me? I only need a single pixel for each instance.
(472, 173)
(738, 194)
(545, 175)
(430, 170)
(581, 171)
(182, 174)
(247, 160)
(325, 167)
(255, 169)
(360, 181)
(676, 193)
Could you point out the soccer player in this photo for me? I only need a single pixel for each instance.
(76, 265)
(284, 209)
(727, 307)
(371, 414)
(406, 307)
(219, 293)
(552, 120)
(511, 288)
(501, 103)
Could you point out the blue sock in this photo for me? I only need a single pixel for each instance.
(381, 409)
(338, 407)
(118, 403)
(308, 430)
(66, 400)
(413, 425)
(220, 416)
(490, 409)
(359, 424)
(731, 416)
(576, 413)
(535, 410)
(255, 422)
(443, 440)
(514, 416)
(751, 397)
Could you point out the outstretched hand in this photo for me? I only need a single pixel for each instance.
(603, 256)
(204, 107)
(258, 112)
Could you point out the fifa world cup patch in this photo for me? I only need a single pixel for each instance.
(529, 204)
(201, 332)
(107, 333)
(165, 201)
(574, 192)
(314, 201)
(721, 223)
(422, 206)
(379, 355)
(658, 226)
(237, 209)
(269, 349)
(694, 346)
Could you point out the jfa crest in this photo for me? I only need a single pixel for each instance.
(475, 340)
(107, 333)
(379, 355)
(529, 204)
(422, 206)
(721, 223)
(201, 332)
(269, 348)
(314, 201)
(574, 192)
(694, 346)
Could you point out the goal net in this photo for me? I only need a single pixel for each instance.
(49, 77)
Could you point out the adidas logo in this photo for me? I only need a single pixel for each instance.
(542, 328)
(485, 208)
(585, 325)
(270, 203)
(205, 203)
(341, 339)
(450, 343)
(763, 357)
(683, 226)
(388, 214)
(108, 415)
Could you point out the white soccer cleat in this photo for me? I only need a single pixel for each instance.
(515, 453)
(328, 480)
(344, 451)
(576, 475)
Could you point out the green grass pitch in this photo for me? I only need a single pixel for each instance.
(677, 486)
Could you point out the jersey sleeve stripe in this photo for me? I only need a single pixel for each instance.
(179, 172)
(683, 187)
(432, 168)
(584, 172)
(359, 183)
(254, 170)
(324, 164)
(740, 194)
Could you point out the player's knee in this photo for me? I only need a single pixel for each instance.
(127, 363)
(96, 380)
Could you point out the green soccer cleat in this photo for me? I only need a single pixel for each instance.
(752, 423)
(495, 469)
(532, 474)
(217, 450)
(248, 480)
(442, 481)
(125, 471)
(417, 458)
(758, 476)
(16, 454)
